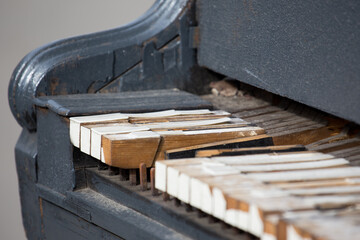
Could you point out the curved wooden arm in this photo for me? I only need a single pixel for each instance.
(152, 52)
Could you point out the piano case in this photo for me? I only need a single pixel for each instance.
(304, 51)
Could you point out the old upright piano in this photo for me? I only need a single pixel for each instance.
(296, 69)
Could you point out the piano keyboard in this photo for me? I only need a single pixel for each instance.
(126, 140)
(258, 193)
(271, 192)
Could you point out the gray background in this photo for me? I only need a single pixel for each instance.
(24, 26)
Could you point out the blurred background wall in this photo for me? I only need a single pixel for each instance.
(24, 26)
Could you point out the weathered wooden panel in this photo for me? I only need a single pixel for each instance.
(141, 101)
(305, 50)
(61, 224)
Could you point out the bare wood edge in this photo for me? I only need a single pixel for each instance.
(212, 152)
(237, 140)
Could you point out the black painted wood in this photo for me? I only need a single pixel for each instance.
(55, 167)
(141, 101)
(111, 216)
(304, 50)
(176, 218)
(26, 166)
(59, 171)
(61, 224)
(151, 53)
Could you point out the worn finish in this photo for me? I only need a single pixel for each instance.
(26, 162)
(53, 175)
(174, 218)
(140, 101)
(264, 140)
(55, 167)
(304, 50)
(105, 213)
(54, 218)
(154, 191)
(150, 53)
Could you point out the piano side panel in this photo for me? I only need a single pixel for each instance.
(61, 224)
(304, 50)
(26, 157)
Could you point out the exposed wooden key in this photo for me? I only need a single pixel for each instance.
(154, 191)
(143, 177)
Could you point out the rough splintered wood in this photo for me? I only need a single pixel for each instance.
(97, 133)
(129, 150)
(179, 139)
(247, 151)
(191, 151)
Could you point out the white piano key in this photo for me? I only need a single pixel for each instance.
(158, 114)
(76, 122)
(206, 199)
(85, 140)
(195, 192)
(161, 169)
(219, 203)
(224, 130)
(292, 234)
(160, 176)
(172, 181)
(232, 217)
(272, 158)
(98, 132)
(311, 174)
(255, 220)
(267, 236)
(172, 112)
(215, 170)
(292, 166)
(184, 188)
(184, 124)
(325, 190)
